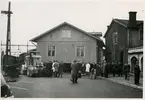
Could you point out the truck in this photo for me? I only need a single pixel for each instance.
(33, 63)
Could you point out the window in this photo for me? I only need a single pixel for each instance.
(66, 33)
(80, 51)
(115, 38)
(51, 50)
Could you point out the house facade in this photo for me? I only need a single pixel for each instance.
(124, 41)
(66, 43)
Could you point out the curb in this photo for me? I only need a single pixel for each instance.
(123, 83)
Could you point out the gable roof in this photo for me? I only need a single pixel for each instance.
(122, 22)
(64, 23)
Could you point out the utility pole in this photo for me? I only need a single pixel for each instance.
(8, 39)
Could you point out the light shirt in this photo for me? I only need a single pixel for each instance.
(88, 67)
(53, 64)
(53, 67)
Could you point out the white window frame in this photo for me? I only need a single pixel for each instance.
(51, 51)
(64, 33)
(79, 54)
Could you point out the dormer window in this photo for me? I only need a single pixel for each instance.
(66, 33)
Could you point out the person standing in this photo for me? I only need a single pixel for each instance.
(79, 69)
(83, 68)
(88, 69)
(106, 69)
(113, 68)
(96, 71)
(126, 70)
(116, 68)
(74, 71)
(136, 73)
(92, 70)
(101, 69)
(53, 69)
(104, 64)
(119, 69)
(56, 66)
(48, 69)
(60, 69)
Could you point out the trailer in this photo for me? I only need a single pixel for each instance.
(11, 67)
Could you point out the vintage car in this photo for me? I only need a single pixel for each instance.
(33, 62)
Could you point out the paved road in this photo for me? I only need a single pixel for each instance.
(45, 87)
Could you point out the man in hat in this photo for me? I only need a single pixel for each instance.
(74, 71)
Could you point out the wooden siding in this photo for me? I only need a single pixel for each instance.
(65, 47)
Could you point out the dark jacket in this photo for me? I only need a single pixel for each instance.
(136, 69)
(75, 69)
(61, 66)
(126, 68)
(56, 66)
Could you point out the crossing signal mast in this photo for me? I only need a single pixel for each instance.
(8, 39)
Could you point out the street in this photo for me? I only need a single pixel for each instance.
(45, 87)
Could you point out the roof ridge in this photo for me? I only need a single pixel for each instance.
(126, 19)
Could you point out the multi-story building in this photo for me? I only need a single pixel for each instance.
(124, 41)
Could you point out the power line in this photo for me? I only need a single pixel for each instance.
(17, 45)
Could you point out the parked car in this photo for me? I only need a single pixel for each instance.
(5, 89)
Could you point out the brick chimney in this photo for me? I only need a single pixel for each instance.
(132, 19)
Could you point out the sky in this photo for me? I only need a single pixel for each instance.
(33, 17)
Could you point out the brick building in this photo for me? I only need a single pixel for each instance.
(124, 41)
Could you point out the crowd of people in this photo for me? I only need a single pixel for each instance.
(55, 68)
(92, 70)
